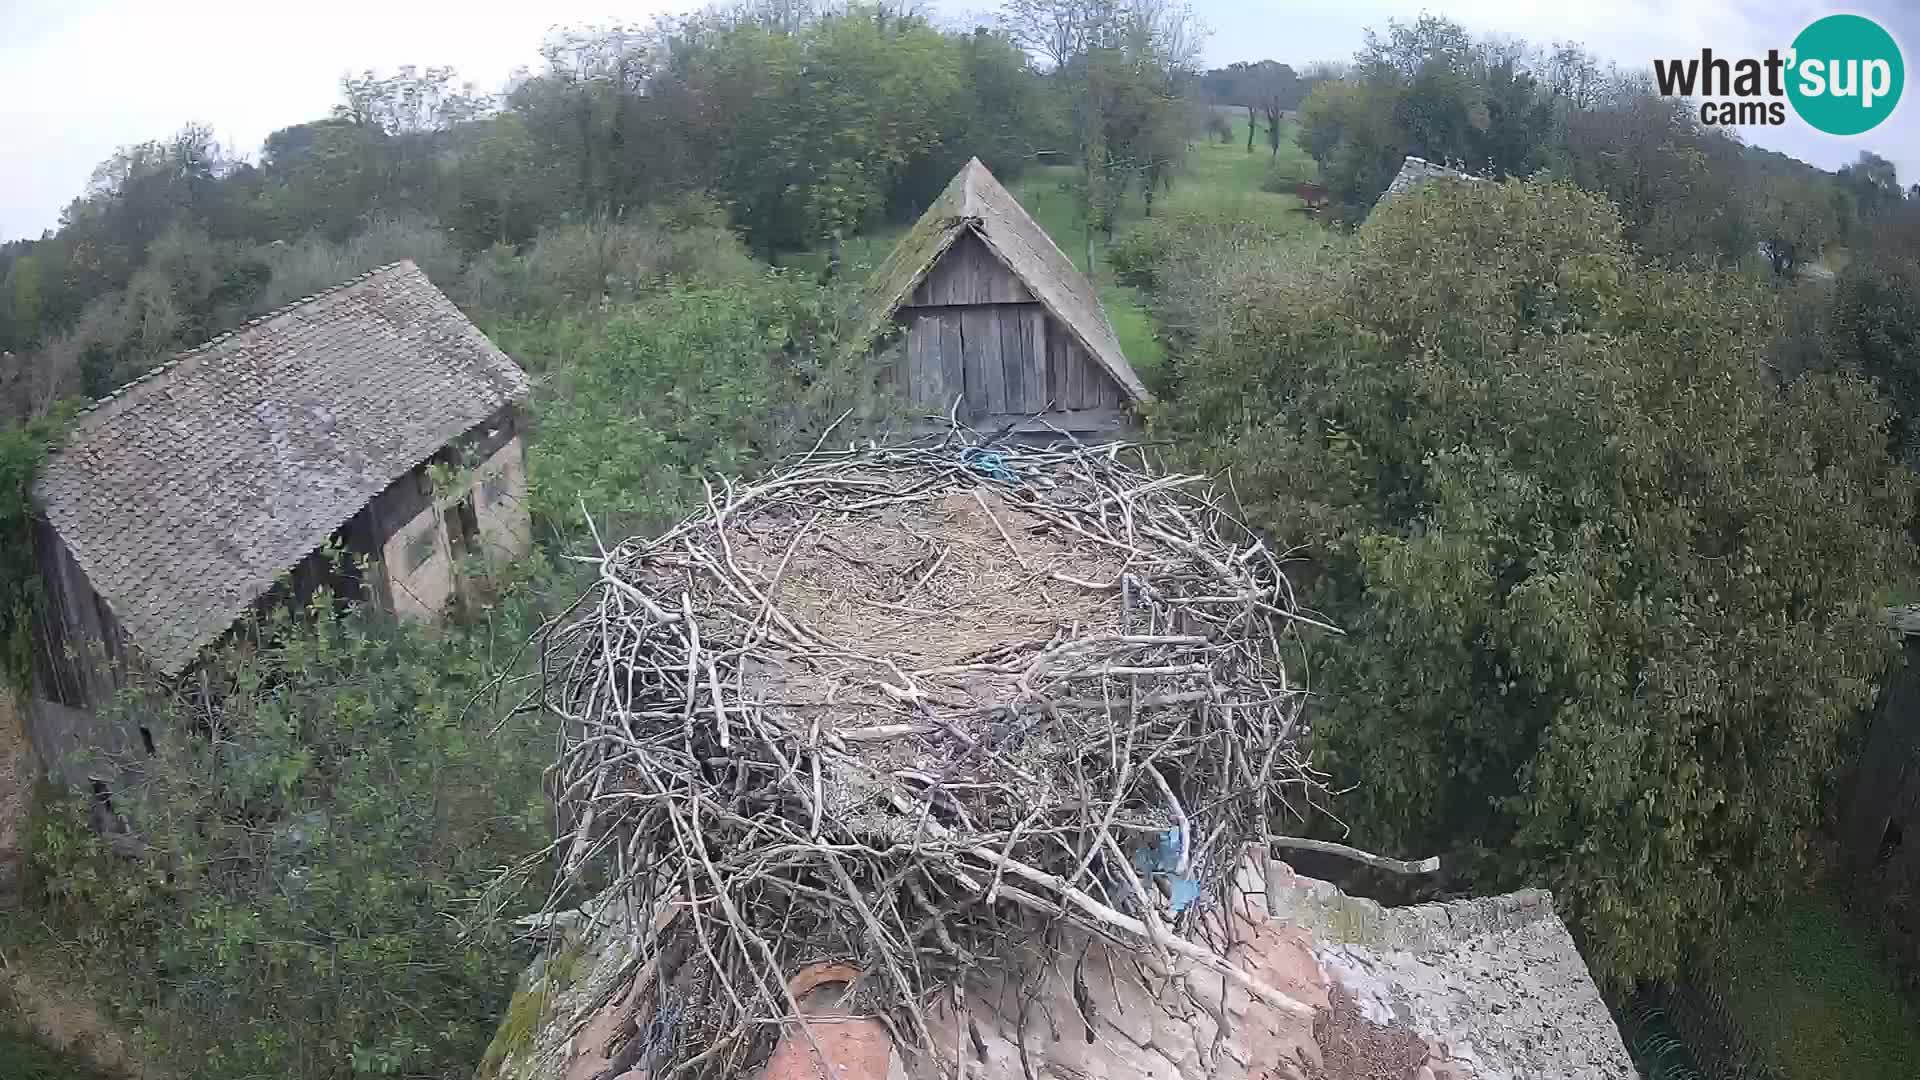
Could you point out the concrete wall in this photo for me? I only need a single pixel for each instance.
(500, 499)
(499, 492)
(423, 590)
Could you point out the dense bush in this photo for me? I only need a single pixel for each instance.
(1194, 264)
(312, 263)
(24, 1057)
(574, 267)
(1610, 590)
(688, 382)
(1875, 330)
(318, 816)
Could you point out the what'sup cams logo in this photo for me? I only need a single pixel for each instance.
(1843, 75)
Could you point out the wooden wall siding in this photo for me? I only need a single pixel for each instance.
(969, 273)
(932, 374)
(1075, 380)
(976, 333)
(998, 359)
(78, 639)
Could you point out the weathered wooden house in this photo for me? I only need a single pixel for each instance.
(978, 315)
(239, 475)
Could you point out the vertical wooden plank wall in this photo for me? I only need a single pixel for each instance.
(975, 332)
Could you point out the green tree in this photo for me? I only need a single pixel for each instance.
(1875, 330)
(1681, 189)
(1796, 222)
(1610, 592)
(1350, 130)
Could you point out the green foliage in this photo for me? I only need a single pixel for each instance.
(23, 1057)
(1611, 592)
(22, 449)
(1875, 330)
(687, 383)
(318, 818)
(1681, 190)
(802, 125)
(574, 267)
(314, 263)
(1429, 90)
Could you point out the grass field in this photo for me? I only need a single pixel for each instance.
(1806, 989)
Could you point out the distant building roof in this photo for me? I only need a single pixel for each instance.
(186, 494)
(975, 201)
(1416, 171)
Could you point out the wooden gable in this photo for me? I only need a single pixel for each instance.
(975, 333)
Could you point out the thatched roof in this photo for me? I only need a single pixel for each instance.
(185, 495)
(975, 201)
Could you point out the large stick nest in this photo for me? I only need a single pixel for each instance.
(900, 708)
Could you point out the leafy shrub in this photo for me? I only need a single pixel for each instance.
(1610, 592)
(24, 1057)
(313, 262)
(317, 817)
(574, 267)
(1195, 263)
(1875, 330)
(685, 383)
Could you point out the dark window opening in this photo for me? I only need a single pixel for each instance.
(146, 738)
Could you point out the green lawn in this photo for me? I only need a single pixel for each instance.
(1806, 989)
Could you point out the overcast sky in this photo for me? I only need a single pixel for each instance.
(79, 78)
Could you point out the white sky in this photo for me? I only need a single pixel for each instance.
(79, 78)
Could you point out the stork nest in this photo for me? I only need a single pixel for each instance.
(901, 708)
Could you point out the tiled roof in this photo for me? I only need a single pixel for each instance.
(975, 200)
(186, 494)
(1416, 171)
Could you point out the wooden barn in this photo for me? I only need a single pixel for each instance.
(978, 315)
(291, 454)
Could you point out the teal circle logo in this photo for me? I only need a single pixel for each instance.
(1846, 74)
